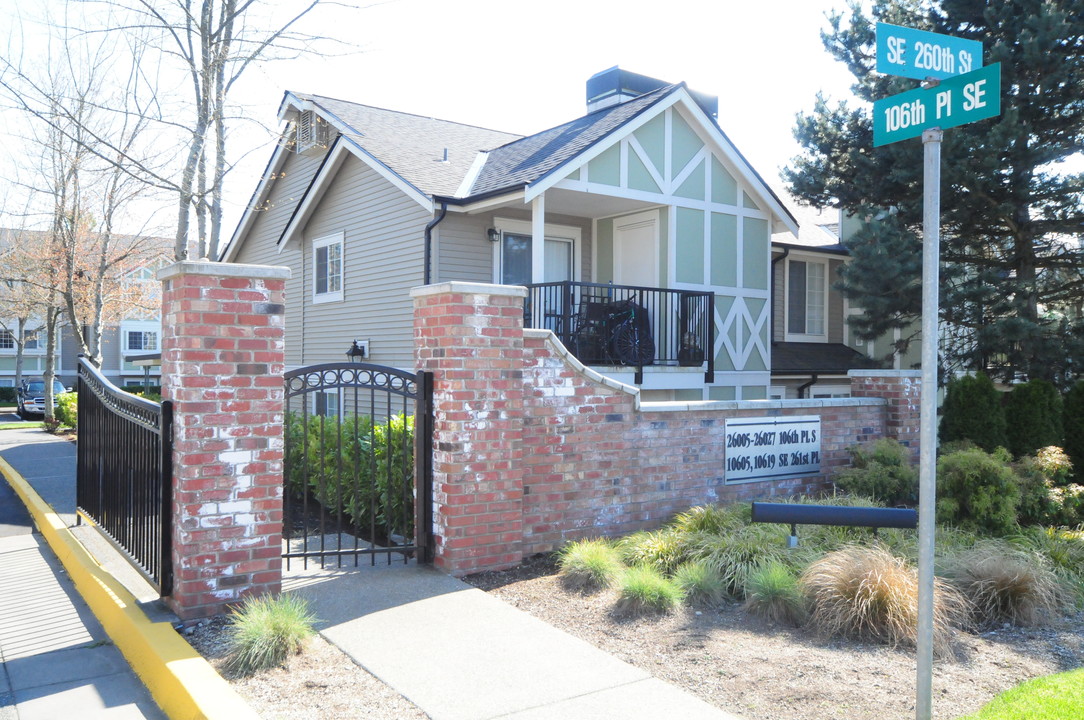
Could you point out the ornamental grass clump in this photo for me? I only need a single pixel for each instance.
(267, 630)
(711, 519)
(662, 549)
(1063, 551)
(1006, 585)
(700, 584)
(737, 553)
(588, 565)
(866, 592)
(771, 592)
(646, 590)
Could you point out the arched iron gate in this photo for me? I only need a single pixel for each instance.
(358, 464)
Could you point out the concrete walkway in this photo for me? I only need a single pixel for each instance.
(57, 660)
(451, 649)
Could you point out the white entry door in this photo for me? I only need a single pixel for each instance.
(636, 250)
(516, 259)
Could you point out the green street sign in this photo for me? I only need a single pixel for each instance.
(957, 101)
(920, 54)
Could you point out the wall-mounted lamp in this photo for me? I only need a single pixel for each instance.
(493, 234)
(356, 352)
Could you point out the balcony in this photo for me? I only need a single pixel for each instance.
(624, 325)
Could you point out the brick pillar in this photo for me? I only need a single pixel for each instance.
(222, 366)
(471, 337)
(903, 391)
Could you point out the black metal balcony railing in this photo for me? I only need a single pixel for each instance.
(604, 324)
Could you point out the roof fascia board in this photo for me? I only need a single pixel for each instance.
(388, 174)
(558, 173)
(797, 248)
(488, 203)
(274, 164)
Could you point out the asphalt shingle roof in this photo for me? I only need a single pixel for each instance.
(808, 357)
(524, 161)
(413, 146)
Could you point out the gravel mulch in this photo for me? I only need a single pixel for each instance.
(737, 662)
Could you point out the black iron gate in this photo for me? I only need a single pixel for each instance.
(358, 464)
(124, 473)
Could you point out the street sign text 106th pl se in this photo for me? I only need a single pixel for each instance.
(957, 101)
(910, 53)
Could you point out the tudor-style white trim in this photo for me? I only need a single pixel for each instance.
(342, 148)
(703, 126)
(259, 196)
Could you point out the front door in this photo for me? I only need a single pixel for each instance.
(636, 250)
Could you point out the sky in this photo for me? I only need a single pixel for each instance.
(522, 67)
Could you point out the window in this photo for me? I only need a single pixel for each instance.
(30, 340)
(514, 256)
(141, 341)
(807, 292)
(326, 403)
(7, 340)
(327, 269)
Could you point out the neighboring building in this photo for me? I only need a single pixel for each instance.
(642, 200)
(137, 334)
(813, 346)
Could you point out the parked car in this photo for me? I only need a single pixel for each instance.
(31, 397)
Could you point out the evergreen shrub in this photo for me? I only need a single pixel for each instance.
(977, 490)
(7, 395)
(1072, 414)
(1035, 408)
(881, 470)
(67, 409)
(972, 411)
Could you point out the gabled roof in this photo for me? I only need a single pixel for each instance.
(430, 154)
(523, 161)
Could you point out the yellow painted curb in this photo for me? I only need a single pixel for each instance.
(183, 684)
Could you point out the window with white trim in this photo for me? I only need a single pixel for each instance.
(30, 340)
(327, 268)
(7, 340)
(140, 341)
(326, 402)
(807, 300)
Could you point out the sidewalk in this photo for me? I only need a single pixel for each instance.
(451, 649)
(57, 660)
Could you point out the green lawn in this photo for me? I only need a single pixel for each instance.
(20, 425)
(1054, 697)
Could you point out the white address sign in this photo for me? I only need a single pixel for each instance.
(772, 448)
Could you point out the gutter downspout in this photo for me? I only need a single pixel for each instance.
(806, 386)
(429, 240)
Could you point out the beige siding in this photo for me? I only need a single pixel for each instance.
(260, 245)
(835, 304)
(778, 298)
(462, 249)
(383, 241)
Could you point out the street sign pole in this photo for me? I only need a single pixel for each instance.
(927, 479)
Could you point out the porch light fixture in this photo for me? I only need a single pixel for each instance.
(494, 235)
(355, 353)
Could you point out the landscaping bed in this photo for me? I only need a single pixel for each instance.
(771, 671)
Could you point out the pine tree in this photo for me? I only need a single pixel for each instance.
(1073, 426)
(1033, 413)
(1012, 263)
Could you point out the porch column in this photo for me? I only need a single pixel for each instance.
(222, 366)
(538, 239)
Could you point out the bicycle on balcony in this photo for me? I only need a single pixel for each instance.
(613, 333)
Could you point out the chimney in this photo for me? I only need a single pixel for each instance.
(615, 86)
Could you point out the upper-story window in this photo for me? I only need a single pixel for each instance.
(807, 295)
(7, 340)
(140, 341)
(30, 340)
(327, 268)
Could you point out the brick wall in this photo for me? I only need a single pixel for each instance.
(532, 449)
(222, 366)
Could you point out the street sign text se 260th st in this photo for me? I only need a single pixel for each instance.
(922, 55)
(959, 100)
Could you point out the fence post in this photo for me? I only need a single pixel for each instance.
(222, 368)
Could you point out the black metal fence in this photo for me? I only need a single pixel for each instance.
(124, 473)
(358, 464)
(605, 324)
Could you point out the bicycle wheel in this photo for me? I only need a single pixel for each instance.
(631, 347)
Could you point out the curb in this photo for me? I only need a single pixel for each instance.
(184, 685)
